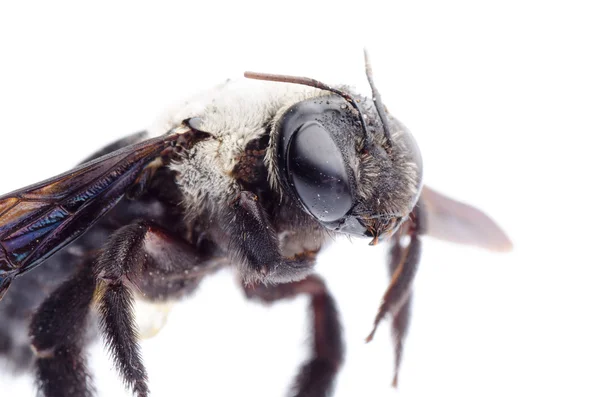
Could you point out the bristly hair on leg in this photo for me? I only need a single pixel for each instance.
(57, 332)
(120, 333)
(121, 258)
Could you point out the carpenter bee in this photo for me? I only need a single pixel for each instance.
(258, 174)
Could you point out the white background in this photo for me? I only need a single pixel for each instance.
(504, 101)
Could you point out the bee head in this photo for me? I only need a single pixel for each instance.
(345, 161)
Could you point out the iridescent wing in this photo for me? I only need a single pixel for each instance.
(453, 221)
(39, 220)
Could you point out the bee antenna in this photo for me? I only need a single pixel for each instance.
(316, 84)
(377, 99)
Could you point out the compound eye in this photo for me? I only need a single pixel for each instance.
(317, 171)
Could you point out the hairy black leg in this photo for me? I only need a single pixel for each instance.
(404, 260)
(144, 256)
(398, 291)
(58, 336)
(255, 244)
(121, 258)
(316, 377)
(400, 324)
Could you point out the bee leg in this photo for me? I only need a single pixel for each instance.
(404, 260)
(400, 324)
(317, 375)
(255, 243)
(159, 265)
(58, 331)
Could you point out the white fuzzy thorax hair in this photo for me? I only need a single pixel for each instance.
(234, 113)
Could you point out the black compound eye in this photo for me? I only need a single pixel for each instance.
(317, 171)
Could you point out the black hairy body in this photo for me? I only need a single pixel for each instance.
(159, 205)
(260, 180)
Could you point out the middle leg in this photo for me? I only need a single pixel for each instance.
(317, 375)
(141, 256)
(405, 254)
(144, 257)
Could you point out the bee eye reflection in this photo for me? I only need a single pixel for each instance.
(317, 172)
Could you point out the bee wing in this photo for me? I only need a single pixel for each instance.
(37, 221)
(450, 220)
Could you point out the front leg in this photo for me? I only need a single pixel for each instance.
(317, 375)
(255, 245)
(404, 260)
